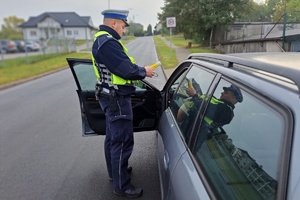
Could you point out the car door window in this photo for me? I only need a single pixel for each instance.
(85, 75)
(240, 152)
(183, 105)
(143, 100)
(87, 79)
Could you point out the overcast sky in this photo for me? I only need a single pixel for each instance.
(142, 11)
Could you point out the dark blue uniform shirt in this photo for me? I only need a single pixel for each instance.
(112, 55)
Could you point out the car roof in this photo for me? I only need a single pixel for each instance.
(284, 59)
(283, 64)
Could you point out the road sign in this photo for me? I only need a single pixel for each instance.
(171, 22)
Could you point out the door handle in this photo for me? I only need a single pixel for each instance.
(166, 160)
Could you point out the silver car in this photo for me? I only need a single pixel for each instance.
(209, 146)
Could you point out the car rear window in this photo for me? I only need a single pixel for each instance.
(241, 159)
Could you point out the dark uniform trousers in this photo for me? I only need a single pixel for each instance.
(119, 140)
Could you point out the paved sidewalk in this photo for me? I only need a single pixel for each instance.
(181, 55)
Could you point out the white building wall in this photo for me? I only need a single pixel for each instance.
(49, 28)
(72, 33)
(267, 46)
(78, 33)
(159, 27)
(31, 34)
(273, 46)
(239, 30)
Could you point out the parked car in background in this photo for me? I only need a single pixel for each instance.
(32, 46)
(253, 155)
(20, 45)
(8, 46)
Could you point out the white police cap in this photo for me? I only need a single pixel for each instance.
(116, 14)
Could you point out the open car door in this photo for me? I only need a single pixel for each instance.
(146, 101)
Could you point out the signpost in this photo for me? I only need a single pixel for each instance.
(171, 22)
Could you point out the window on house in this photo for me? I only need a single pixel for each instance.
(69, 32)
(76, 32)
(32, 33)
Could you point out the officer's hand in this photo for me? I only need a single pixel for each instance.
(191, 91)
(149, 71)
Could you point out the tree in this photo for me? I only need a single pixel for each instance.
(278, 12)
(270, 8)
(196, 19)
(256, 12)
(292, 8)
(149, 30)
(138, 33)
(273, 11)
(171, 9)
(10, 29)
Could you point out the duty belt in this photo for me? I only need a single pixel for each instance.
(106, 90)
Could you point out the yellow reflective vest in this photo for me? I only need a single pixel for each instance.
(115, 80)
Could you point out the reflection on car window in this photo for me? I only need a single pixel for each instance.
(240, 153)
(86, 76)
(183, 105)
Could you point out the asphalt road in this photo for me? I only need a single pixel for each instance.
(42, 153)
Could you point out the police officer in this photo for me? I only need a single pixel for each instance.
(116, 73)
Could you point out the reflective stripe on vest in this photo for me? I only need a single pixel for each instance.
(215, 102)
(107, 77)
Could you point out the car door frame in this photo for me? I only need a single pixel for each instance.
(146, 104)
(167, 160)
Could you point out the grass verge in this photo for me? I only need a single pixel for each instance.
(22, 68)
(166, 56)
(179, 41)
(168, 59)
(13, 70)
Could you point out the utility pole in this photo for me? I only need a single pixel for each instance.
(284, 26)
